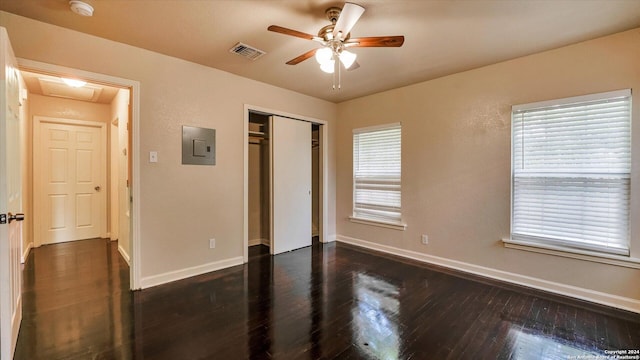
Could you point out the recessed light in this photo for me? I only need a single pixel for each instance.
(75, 83)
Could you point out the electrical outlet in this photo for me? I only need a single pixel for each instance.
(212, 243)
(425, 239)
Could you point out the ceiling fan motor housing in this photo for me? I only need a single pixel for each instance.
(333, 13)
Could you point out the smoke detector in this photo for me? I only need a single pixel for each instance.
(81, 8)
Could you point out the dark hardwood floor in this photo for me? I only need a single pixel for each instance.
(320, 302)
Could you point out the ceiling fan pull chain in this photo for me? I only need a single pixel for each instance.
(339, 74)
(335, 73)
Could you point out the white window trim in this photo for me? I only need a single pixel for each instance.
(610, 259)
(384, 224)
(399, 225)
(562, 251)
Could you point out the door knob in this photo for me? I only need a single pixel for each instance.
(97, 188)
(17, 217)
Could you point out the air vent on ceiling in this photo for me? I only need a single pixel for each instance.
(246, 51)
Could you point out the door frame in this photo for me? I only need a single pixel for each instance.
(38, 121)
(323, 171)
(134, 149)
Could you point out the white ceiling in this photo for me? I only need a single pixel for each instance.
(441, 36)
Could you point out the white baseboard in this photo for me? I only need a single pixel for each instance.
(125, 255)
(25, 253)
(155, 280)
(598, 297)
(254, 242)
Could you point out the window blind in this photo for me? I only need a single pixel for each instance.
(376, 173)
(571, 172)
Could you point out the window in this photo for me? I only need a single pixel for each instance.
(571, 161)
(376, 174)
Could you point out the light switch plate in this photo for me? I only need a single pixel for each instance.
(153, 156)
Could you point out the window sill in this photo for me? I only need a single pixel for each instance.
(586, 255)
(384, 224)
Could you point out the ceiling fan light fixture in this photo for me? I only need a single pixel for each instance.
(81, 8)
(347, 58)
(335, 39)
(324, 55)
(328, 66)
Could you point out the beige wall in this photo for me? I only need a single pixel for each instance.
(456, 159)
(68, 109)
(182, 206)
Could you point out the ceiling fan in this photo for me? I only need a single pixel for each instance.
(336, 39)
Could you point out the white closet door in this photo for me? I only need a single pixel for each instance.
(291, 184)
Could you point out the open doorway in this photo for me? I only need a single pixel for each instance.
(79, 160)
(261, 180)
(70, 128)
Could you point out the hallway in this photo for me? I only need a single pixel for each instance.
(76, 303)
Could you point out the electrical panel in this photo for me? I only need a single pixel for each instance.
(198, 146)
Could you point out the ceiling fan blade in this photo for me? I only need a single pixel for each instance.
(302, 57)
(296, 33)
(376, 41)
(348, 17)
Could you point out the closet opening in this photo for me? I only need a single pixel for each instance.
(284, 182)
(315, 182)
(259, 181)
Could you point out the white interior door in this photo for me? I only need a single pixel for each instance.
(70, 168)
(10, 200)
(291, 184)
